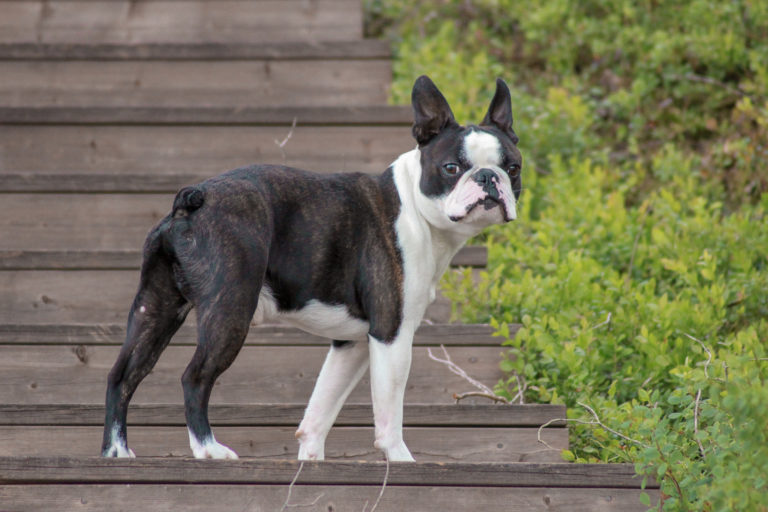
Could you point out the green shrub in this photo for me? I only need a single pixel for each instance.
(638, 266)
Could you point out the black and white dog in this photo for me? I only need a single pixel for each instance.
(352, 257)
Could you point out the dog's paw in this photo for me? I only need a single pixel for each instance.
(397, 453)
(119, 451)
(309, 447)
(210, 449)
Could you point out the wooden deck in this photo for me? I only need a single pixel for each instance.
(107, 108)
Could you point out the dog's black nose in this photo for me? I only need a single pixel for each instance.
(487, 179)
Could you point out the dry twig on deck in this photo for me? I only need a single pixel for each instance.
(485, 391)
(281, 144)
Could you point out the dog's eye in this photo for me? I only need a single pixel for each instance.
(451, 169)
(514, 170)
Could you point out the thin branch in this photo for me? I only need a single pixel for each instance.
(709, 358)
(281, 144)
(710, 81)
(458, 370)
(383, 486)
(461, 396)
(696, 421)
(290, 487)
(606, 322)
(609, 429)
(595, 421)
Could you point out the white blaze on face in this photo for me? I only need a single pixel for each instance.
(483, 151)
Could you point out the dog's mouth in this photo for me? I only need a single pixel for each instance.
(488, 203)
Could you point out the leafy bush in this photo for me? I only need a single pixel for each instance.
(639, 264)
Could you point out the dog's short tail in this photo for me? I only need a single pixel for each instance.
(187, 201)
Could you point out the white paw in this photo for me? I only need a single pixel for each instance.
(397, 453)
(120, 451)
(210, 449)
(310, 449)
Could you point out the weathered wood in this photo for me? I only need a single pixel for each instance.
(67, 374)
(240, 498)
(93, 297)
(189, 21)
(131, 260)
(316, 115)
(219, 83)
(30, 470)
(268, 50)
(164, 158)
(427, 444)
(273, 334)
(352, 415)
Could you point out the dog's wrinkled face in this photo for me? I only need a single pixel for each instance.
(470, 175)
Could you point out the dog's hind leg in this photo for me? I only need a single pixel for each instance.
(157, 312)
(344, 365)
(222, 325)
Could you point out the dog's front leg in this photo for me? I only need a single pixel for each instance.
(390, 364)
(343, 368)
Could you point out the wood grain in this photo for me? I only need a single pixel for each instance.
(18, 470)
(266, 334)
(240, 498)
(151, 158)
(245, 116)
(267, 50)
(171, 21)
(94, 297)
(427, 444)
(77, 374)
(174, 84)
(286, 414)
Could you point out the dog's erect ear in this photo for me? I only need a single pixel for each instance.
(431, 113)
(500, 112)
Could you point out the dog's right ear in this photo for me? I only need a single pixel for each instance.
(431, 113)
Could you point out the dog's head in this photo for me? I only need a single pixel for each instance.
(470, 175)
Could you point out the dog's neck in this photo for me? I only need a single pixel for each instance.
(424, 221)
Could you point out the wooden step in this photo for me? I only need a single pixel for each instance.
(194, 83)
(268, 50)
(427, 444)
(93, 296)
(62, 374)
(252, 484)
(158, 158)
(233, 116)
(173, 21)
(285, 414)
(468, 335)
(434, 433)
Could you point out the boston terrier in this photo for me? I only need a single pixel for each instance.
(351, 257)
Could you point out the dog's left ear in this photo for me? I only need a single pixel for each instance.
(500, 112)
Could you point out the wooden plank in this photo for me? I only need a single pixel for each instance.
(97, 470)
(268, 50)
(94, 297)
(473, 256)
(267, 374)
(241, 116)
(268, 334)
(178, 84)
(427, 444)
(147, 158)
(240, 498)
(276, 415)
(171, 21)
